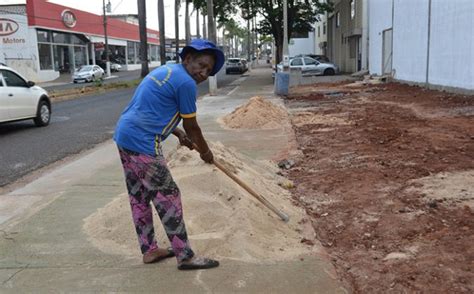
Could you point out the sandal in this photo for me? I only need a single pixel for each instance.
(198, 263)
(157, 255)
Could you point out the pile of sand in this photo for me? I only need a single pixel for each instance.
(257, 113)
(222, 219)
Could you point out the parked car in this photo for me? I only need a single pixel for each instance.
(310, 66)
(88, 73)
(320, 58)
(20, 99)
(115, 66)
(235, 65)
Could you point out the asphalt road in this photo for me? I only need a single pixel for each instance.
(76, 125)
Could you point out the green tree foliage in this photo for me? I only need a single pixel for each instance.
(301, 15)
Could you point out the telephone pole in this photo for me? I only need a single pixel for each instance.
(107, 59)
(143, 37)
(161, 27)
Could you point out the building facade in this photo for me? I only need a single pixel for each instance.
(348, 35)
(41, 40)
(321, 36)
(428, 42)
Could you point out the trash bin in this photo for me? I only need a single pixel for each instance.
(282, 83)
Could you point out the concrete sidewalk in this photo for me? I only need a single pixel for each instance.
(44, 249)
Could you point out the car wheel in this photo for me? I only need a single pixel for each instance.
(43, 114)
(329, 72)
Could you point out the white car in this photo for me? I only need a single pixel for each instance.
(88, 73)
(310, 66)
(20, 99)
(115, 67)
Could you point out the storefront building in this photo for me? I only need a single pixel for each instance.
(41, 40)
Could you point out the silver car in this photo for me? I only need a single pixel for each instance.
(310, 66)
(88, 73)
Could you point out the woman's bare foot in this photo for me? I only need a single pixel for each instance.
(157, 255)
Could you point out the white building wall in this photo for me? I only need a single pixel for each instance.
(323, 34)
(449, 60)
(19, 50)
(380, 19)
(301, 45)
(410, 40)
(452, 44)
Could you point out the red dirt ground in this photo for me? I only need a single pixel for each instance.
(364, 150)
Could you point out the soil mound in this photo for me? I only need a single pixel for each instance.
(257, 113)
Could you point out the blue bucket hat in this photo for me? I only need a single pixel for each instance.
(202, 44)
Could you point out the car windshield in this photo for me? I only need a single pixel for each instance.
(233, 60)
(85, 68)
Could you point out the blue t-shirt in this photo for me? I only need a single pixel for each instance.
(164, 96)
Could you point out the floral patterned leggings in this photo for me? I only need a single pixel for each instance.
(148, 180)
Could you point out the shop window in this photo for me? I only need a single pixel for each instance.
(138, 51)
(78, 39)
(324, 28)
(61, 38)
(45, 59)
(43, 36)
(131, 53)
(154, 53)
(80, 57)
(338, 19)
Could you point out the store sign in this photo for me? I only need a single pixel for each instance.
(8, 26)
(69, 19)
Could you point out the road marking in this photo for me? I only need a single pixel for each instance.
(233, 90)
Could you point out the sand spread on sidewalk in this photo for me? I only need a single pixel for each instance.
(222, 219)
(257, 113)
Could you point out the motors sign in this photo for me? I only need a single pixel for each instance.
(8, 26)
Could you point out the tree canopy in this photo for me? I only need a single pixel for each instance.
(302, 14)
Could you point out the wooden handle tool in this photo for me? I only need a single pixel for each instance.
(259, 197)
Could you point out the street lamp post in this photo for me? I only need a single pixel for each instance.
(107, 59)
(286, 57)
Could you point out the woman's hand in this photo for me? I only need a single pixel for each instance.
(183, 138)
(185, 141)
(208, 157)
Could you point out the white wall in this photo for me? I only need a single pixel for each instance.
(452, 43)
(410, 40)
(20, 51)
(450, 56)
(301, 45)
(380, 19)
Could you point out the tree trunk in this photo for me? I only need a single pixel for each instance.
(211, 29)
(186, 24)
(204, 30)
(198, 34)
(161, 24)
(176, 28)
(143, 37)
